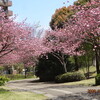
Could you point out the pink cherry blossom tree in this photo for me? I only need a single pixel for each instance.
(61, 42)
(88, 20)
(83, 27)
(17, 42)
(18, 45)
(11, 34)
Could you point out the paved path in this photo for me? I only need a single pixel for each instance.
(52, 90)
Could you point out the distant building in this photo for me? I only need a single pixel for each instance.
(4, 5)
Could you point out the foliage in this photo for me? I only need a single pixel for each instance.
(87, 59)
(97, 79)
(69, 77)
(1, 68)
(81, 2)
(92, 71)
(3, 80)
(19, 67)
(60, 16)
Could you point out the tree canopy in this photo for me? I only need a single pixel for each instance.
(60, 16)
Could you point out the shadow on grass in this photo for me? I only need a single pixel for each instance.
(3, 90)
(43, 82)
(34, 81)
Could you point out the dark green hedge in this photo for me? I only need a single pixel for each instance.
(69, 77)
(48, 68)
(97, 79)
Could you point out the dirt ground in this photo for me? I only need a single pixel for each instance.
(55, 91)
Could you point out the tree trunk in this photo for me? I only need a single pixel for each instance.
(25, 74)
(25, 71)
(76, 63)
(64, 64)
(61, 59)
(88, 69)
(97, 62)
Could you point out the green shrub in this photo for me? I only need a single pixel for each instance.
(69, 77)
(48, 69)
(3, 80)
(97, 79)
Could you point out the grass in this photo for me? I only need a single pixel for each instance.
(88, 82)
(12, 95)
(91, 68)
(19, 76)
(92, 71)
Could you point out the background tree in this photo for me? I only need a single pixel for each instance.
(60, 16)
(87, 59)
(63, 14)
(81, 2)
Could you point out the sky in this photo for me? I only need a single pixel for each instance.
(37, 11)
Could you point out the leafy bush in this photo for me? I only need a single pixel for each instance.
(69, 77)
(3, 80)
(48, 68)
(97, 79)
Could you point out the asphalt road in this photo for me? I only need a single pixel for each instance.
(49, 89)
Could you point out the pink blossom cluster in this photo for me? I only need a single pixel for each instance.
(83, 27)
(18, 45)
(16, 41)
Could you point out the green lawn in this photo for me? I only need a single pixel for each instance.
(88, 82)
(18, 76)
(10, 95)
(92, 71)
